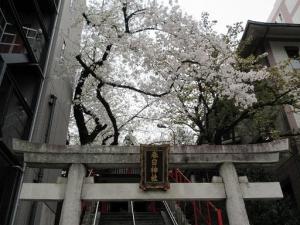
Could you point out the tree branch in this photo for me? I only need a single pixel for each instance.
(135, 115)
(98, 128)
(104, 56)
(90, 71)
(144, 29)
(126, 20)
(107, 138)
(135, 13)
(138, 90)
(87, 20)
(109, 113)
(190, 62)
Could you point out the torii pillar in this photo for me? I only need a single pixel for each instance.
(71, 209)
(235, 206)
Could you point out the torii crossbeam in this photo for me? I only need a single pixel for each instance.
(75, 187)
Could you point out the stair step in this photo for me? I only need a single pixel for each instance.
(142, 218)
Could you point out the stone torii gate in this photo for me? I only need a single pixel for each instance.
(76, 187)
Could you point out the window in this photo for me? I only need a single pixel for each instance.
(292, 52)
(14, 121)
(18, 91)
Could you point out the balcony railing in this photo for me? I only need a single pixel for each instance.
(11, 42)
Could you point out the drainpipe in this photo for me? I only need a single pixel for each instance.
(52, 104)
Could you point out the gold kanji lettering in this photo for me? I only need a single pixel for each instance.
(154, 155)
(154, 178)
(154, 162)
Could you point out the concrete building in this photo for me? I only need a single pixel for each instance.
(36, 38)
(285, 11)
(280, 37)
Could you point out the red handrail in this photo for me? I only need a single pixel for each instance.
(220, 218)
(181, 178)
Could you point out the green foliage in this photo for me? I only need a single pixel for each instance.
(279, 212)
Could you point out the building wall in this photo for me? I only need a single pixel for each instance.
(278, 54)
(59, 78)
(51, 120)
(285, 11)
(278, 50)
(288, 11)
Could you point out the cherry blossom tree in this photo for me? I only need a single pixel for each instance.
(215, 91)
(143, 60)
(116, 36)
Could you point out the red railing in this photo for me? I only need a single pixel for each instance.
(179, 177)
(104, 207)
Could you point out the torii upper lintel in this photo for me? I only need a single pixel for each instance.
(187, 156)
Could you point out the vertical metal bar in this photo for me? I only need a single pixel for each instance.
(200, 209)
(104, 207)
(151, 207)
(208, 214)
(195, 213)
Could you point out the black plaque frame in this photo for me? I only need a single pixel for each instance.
(146, 153)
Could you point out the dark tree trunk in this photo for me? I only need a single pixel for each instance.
(217, 138)
(78, 112)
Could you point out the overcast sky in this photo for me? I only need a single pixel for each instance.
(229, 11)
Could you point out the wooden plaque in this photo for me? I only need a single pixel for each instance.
(154, 167)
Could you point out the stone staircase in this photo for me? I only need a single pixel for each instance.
(141, 218)
(145, 218)
(119, 218)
